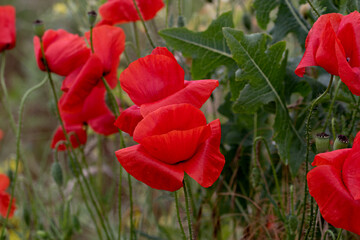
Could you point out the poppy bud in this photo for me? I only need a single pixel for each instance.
(322, 142)
(341, 142)
(39, 28)
(181, 21)
(92, 17)
(57, 174)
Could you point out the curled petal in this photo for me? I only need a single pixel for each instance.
(7, 26)
(64, 51)
(169, 118)
(336, 204)
(104, 124)
(206, 165)
(76, 133)
(129, 119)
(152, 78)
(4, 182)
(149, 170)
(195, 93)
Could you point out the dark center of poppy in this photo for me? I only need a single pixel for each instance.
(348, 59)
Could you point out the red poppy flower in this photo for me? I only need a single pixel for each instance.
(7, 28)
(333, 43)
(123, 11)
(64, 51)
(5, 197)
(335, 185)
(174, 139)
(155, 81)
(76, 133)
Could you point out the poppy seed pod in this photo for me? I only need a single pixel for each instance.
(341, 142)
(39, 28)
(322, 142)
(92, 17)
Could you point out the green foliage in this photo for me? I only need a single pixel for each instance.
(263, 9)
(208, 49)
(263, 68)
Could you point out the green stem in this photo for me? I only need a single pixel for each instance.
(332, 105)
(339, 234)
(132, 235)
(18, 145)
(315, 222)
(311, 218)
(178, 215)
(353, 117)
(143, 23)
(167, 14)
(313, 104)
(179, 8)
(188, 210)
(91, 39)
(331, 234)
(313, 8)
(136, 38)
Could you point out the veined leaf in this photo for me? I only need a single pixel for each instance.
(208, 49)
(263, 9)
(263, 68)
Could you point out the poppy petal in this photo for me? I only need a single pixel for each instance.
(334, 158)
(4, 204)
(336, 204)
(64, 51)
(163, 51)
(195, 93)
(77, 136)
(152, 78)
(314, 39)
(206, 165)
(123, 11)
(169, 118)
(7, 26)
(104, 124)
(149, 170)
(129, 119)
(176, 146)
(4, 182)
(87, 79)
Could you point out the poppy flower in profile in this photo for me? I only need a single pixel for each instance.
(5, 197)
(7, 28)
(172, 140)
(333, 44)
(123, 11)
(155, 81)
(335, 185)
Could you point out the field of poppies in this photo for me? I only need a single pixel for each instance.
(179, 119)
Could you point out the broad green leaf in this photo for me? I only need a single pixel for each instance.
(263, 68)
(263, 9)
(208, 49)
(289, 20)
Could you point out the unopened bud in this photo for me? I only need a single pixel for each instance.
(92, 17)
(293, 223)
(341, 142)
(322, 142)
(181, 21)
(39, 28)
(57, 173)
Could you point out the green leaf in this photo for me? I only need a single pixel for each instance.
(263, 68)
(208, 49)
(263, 9)
(289, 20)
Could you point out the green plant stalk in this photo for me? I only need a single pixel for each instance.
(331, 234)
(167, 14)
(178, 215)
(315, 223)
(313, 104)
(188, 210)
(311, 218)
(332, 105)
(353, 118)
(132, 235)
(136, 38)
(339, 234)
(179, 7)
(18, 145)
(313, 8)
(143, 23)
(68, 142)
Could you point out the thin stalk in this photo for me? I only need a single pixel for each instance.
(178, 215)
(314, 229)
(313, 104)
(331, 234)
(143, 23)
(91, 39)
(136, 38)
(353, 117)
(332, 104)
(188, 210)
(179, 8)
(311, 218)
(18, 145)
(132, 235)
(68, 142)
(167, 14)
(313, 8)
(339, 234)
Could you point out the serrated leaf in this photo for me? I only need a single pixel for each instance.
(289, 20)
(263, 67)
(208, 49)
(263, 9)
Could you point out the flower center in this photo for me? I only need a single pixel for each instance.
(348, 59)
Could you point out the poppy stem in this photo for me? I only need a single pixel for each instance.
(314, 9)
(18, 152)
(356, 110)
(339, 234)
(178, 214)
(332, 105)
(308, 146)
(167, 14)
(91, 39)
(143, 23)
(136, 38)
(188, 208)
